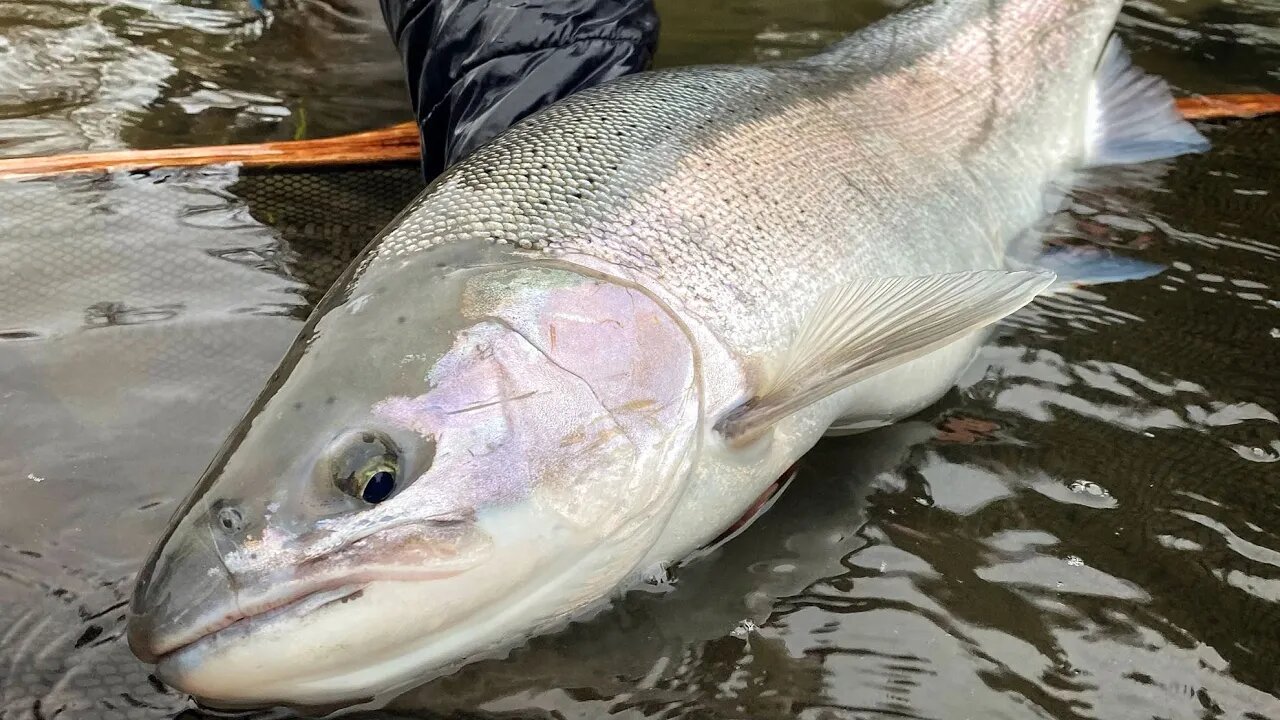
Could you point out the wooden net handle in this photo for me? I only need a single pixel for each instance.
(399, 143)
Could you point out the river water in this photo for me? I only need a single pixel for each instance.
(1088, 526)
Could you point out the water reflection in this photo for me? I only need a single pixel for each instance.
(152, 73)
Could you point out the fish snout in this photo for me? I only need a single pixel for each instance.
(182, 590)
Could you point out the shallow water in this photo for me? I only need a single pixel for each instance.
(1087, 527)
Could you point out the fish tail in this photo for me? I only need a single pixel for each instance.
(1132, 117)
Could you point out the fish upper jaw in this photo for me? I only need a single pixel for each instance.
(185, 610)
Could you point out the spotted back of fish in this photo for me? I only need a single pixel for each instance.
(919, 145)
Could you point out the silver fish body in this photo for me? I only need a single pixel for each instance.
(537, 351)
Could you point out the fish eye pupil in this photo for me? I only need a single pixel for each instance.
(379, 487)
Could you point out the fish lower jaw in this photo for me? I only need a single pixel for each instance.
(310, 597)
(296, 604)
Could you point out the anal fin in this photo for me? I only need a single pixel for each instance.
(1077, 265)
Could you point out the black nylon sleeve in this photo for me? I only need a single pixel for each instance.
(476, 66)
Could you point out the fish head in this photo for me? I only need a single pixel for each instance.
(458, 452)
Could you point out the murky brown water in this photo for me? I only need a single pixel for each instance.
(1087, 527)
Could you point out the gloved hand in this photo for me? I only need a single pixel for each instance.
(477, 66)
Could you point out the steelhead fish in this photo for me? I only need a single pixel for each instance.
(586, 350)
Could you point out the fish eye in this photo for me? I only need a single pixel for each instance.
(366, 466)
(230, 518)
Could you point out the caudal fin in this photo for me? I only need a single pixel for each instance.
(1132, 116)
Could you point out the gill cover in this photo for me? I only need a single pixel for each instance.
(464, 446)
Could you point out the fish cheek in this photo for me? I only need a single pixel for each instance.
(633, 369)
(584, 481)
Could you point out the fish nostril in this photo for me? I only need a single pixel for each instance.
(230, 519)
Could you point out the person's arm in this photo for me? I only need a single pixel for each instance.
(477, 66)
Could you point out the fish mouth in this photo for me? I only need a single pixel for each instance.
(335, 577)
(296, 604)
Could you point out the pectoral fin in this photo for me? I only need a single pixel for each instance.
(871, 325)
